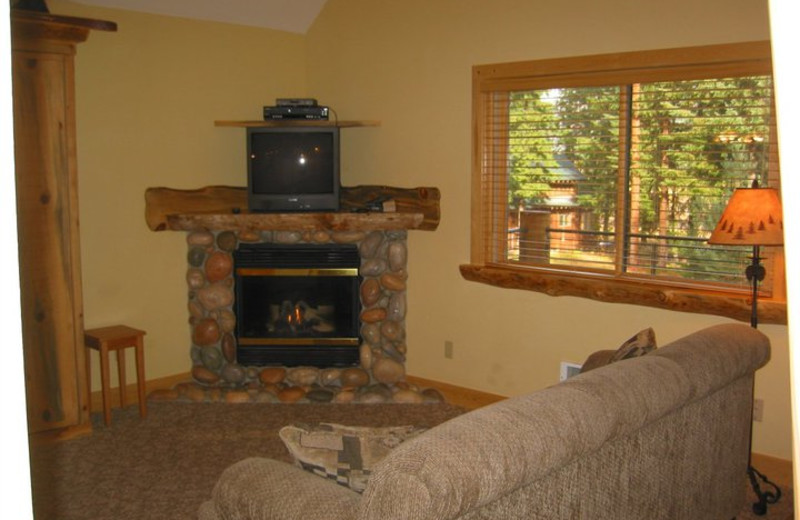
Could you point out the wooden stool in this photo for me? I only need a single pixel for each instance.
(118, 338)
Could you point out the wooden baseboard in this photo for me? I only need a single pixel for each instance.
(776, 470)
(131, 393)
(60, 434)
(457, 395)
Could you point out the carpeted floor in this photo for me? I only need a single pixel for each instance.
(165, 466)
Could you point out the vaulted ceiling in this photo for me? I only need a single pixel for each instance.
(284, 15)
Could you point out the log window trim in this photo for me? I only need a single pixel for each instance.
(748, 58)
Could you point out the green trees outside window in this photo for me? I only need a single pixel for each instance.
(630, 178)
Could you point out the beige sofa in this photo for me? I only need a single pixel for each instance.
(662, 436)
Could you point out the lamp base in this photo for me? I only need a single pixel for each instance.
(763, 497)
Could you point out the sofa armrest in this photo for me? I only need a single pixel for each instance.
(265, 489)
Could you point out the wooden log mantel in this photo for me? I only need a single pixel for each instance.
(225, 207)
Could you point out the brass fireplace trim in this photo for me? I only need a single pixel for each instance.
(300, 341)
(262, 271)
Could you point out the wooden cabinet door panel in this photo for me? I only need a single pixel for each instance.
(48, 236)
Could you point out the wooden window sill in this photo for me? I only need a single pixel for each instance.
(615, 290)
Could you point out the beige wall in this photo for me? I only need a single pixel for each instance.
(147, 98)
(408, 64)
(148, 95)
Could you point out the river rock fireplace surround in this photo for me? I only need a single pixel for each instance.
(291, 346)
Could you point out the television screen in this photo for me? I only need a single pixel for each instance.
(293, 168)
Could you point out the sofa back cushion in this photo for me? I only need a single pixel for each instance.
(480, 456)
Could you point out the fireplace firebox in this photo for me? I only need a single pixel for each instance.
(297, 304)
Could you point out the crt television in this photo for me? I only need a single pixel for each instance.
(293, 168)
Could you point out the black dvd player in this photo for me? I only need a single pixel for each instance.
(295, 112)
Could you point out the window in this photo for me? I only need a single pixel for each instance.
(603, 176)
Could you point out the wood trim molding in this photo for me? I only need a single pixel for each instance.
(743, 58)
(457, 395)
(131, 391)
(614, 290)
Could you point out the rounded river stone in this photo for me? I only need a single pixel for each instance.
(288, 237)
(320, 237)
(219, 266)
(204, 375)
(393, 282)
(237, 396)
(320, 395)
(397, 307)
(195, 278)
(330, 376)
(195, 309)
(371, 332)
(228, 346)
(374, 394)
(354, 377)
(365, 355)
(347, 237)
(234, 373)
(391, 330)
(215, 296)
(369, 246)
(196, 256)
(302, 376)
(345, 396)
(206, 332)
(272, 375)
(398, 254)
(407, 396)
(227, 320)
(388, 371)
(199, 238)
(373, 267)
(227, 241)
(291, 394)
(373, 315)
(370, 292)
(212, 357)
(247, 235)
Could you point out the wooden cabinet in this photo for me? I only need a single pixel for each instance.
(43, 49)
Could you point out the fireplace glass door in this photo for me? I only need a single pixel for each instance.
(297, 305)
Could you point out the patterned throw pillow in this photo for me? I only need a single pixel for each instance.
(346, 454)
(639, 345)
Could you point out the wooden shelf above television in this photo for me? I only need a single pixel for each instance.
(218, 208)
(297, 122)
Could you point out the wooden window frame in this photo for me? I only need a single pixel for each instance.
(747, 58)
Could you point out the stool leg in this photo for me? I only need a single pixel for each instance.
(121, 373)
(104, 376)
(140, 376)
(88, 362)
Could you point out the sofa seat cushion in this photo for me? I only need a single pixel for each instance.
(345, 454)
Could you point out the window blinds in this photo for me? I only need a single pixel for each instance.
(625, 179)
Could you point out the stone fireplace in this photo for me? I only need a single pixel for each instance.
(317, 372)
(293, 343)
